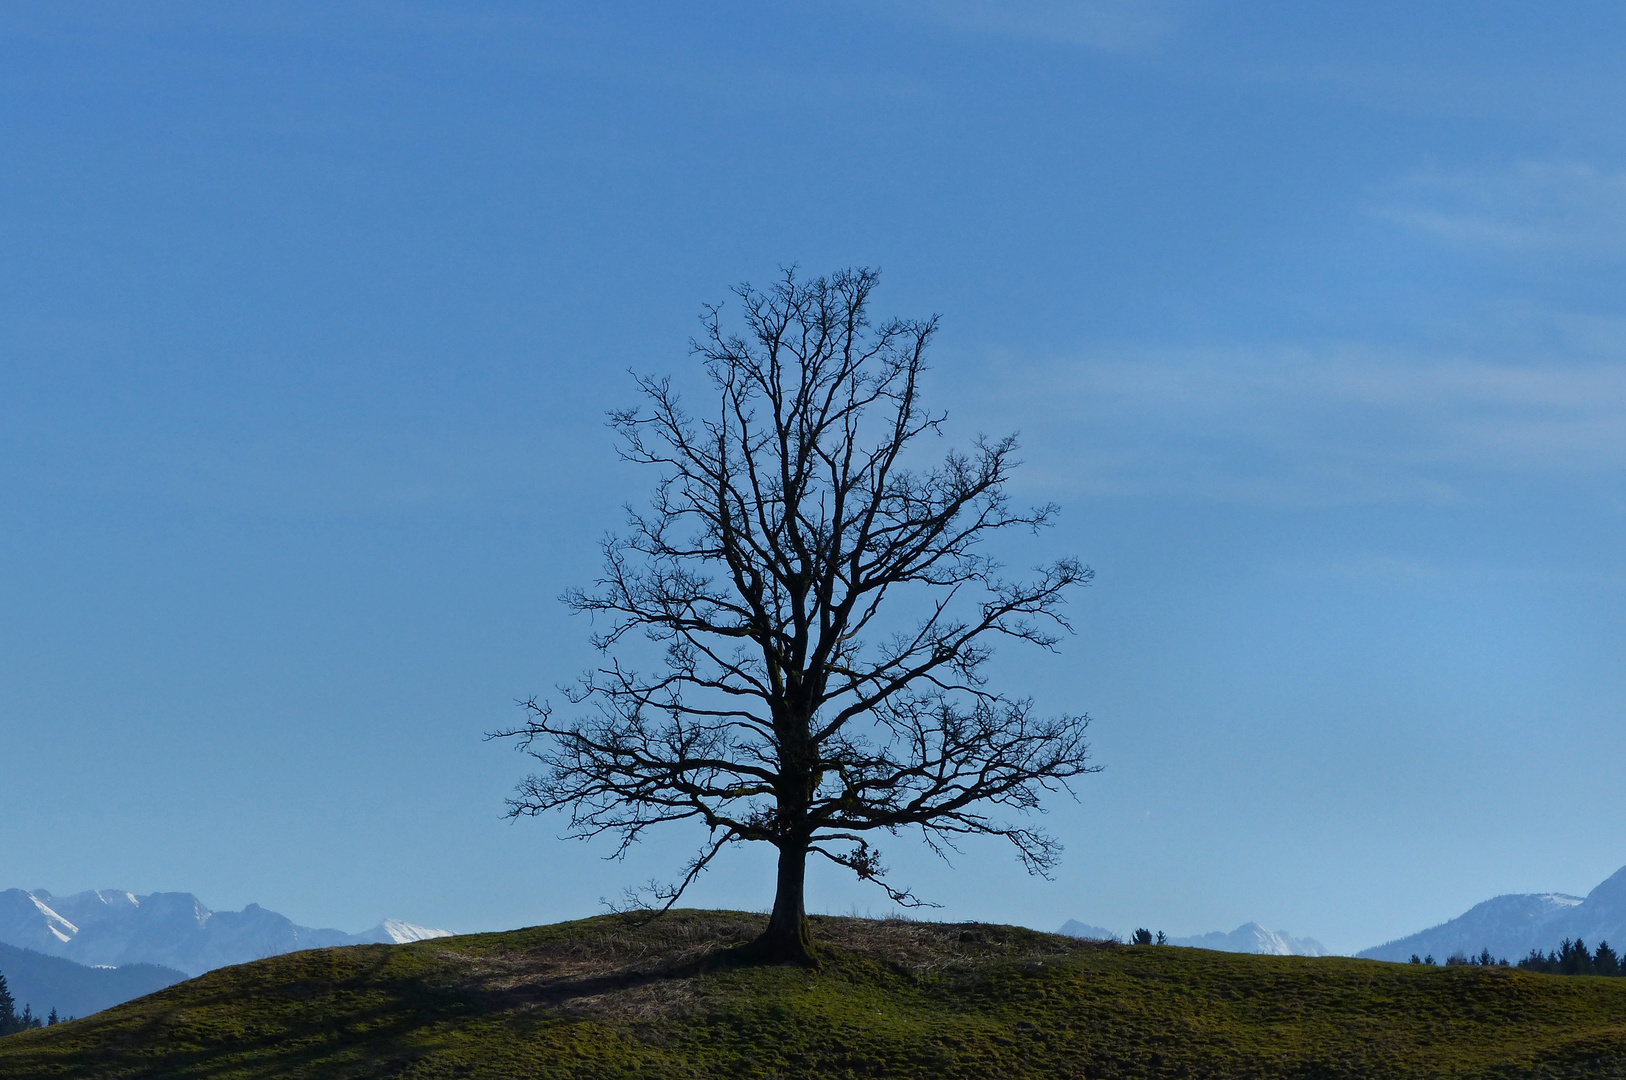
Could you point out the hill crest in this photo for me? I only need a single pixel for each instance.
(614, 997)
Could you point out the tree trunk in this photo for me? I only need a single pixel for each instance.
(788, 938)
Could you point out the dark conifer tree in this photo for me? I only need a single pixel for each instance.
(8, 1009)
(1573, 958)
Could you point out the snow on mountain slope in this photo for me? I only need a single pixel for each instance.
(1600, 917)
(1253, 938)
(112, 928)
(1509, 926)
(55, 925)
(29, 923)
(396, 932)
(1247, 938)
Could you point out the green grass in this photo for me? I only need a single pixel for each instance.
(609, 998)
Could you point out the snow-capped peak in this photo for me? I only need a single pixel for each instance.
(175, 930)
(402, 932)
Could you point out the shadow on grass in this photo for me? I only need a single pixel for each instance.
(221, 1025)
(561, 991)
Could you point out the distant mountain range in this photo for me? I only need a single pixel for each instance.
(1074, 928)
(45, 982)
(1253, 938)
(1247, 938)
(1510, 926)
(112, 928)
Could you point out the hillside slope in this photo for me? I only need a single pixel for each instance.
(49, 982)
(606, 998)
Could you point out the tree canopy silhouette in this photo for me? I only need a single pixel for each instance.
(823, 612)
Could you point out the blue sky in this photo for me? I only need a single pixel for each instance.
(1312, 317)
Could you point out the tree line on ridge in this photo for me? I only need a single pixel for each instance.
(1570, 958)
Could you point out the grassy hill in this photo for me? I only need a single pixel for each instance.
(608, 998)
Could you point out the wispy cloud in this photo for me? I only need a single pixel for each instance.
(1112, 25)
(1389, 569)
(1559, 206)
(1316, 426)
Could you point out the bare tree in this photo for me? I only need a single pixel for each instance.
(823, 613)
